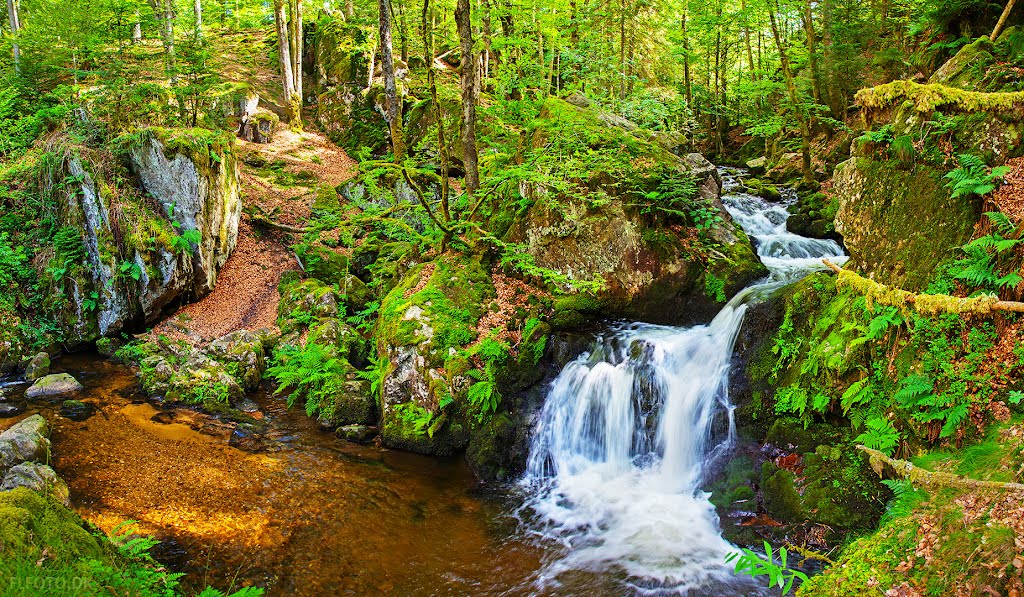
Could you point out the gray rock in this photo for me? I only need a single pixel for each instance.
(10, 410)
(245, 350)
(37, 477)
(25, 442)
(55, 384)
(758, 165)
(37, 367)
(359, 434)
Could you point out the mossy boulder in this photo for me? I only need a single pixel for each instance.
(882, 209)
(31, 522)
(55, 384)
(350, 117)
(39, 478)
(38, 366)
(26, 441)
(342, 52)
(592, 226)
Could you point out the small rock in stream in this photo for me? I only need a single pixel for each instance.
(359, 434)
(10, 410)
(246, 439)
(37, 367)
(56, 384)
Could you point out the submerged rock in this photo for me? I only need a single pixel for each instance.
(76, 410)
(39, 478)
(26, 441)
(55, 384)
(359, 434)
(10, 410)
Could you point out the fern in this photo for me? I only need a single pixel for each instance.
(973, 177)
(859, 392)
(312, 374)
(880, 435)
(904, 498)
(484, 397)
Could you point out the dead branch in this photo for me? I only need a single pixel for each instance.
(931, 479)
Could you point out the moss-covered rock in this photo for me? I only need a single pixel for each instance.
(882, 209)
(604, 220)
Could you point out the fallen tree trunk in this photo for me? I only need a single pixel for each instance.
(926, 304)
(931, 479)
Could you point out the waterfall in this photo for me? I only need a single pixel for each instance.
(621, 445)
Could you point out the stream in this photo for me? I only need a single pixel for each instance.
(610, 504)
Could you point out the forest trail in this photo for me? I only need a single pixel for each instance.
(280, 179)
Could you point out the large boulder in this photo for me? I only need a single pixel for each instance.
(882, 210)
(194, 177)
(26, 441)
(658, 252)
(37, 366)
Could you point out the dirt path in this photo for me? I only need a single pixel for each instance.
(284, 185)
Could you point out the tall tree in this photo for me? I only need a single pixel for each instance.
(995, 32)
(197, 9)
(284, 59)
(394, 104)
(12, 18)
(794, 96)
(467, 79)
(164, 12)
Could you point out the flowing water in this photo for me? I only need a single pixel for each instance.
(628, 430)
(612, 500)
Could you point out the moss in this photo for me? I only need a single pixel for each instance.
(927, 98)
(867, 564)
(780, 495)
(30, 523)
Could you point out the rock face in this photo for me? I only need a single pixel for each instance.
(55, 384)
(25, 442)
(652, 267)
(124, 258)
(199, 190)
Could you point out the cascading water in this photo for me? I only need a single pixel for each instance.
(622, 442)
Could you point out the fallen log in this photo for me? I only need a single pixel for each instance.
(931, 479)
(926, 304)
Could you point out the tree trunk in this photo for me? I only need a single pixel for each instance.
(164, 12)
(284, 58)
(467, 75)
(995, 32)
(403, 30)
(794, 98)
(137, 29)
(197, 8)
(296, 47)
(746, 39)
(686, 59)
(622, 48)
(350, 9)
(812, 51)
(442, 146)
(12, 18)
(394, 107)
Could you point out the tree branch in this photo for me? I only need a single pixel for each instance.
(932, 479)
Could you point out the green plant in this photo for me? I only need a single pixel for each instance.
(714, 287)
(779, 574)
(983, 258)
(311, 373)
(973, 177)
(186, 241)
(484, 397)
(880, 435)
(130, 269)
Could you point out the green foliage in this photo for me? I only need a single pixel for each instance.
(879, 435)
(973, 177)
(186, 241)
(779, 574)
(484, 397)
(904, 498)
(986, 257)
(313, 374)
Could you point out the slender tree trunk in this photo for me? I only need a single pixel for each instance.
(350, 9)
(794, 98)
(622, 48)
(486, 23)
(296, 46)
(403, 30)
(686, 57)
(197, 8)
(284, 58)
(442, 146)
(15, 22)
(746, 39)
(137, 29)
(995, 32)
(812, 51)
(164, 12)
(467, 74)
(394, 106)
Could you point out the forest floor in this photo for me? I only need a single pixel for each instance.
(246, 295)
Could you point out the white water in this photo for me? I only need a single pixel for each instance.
(622, 442)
